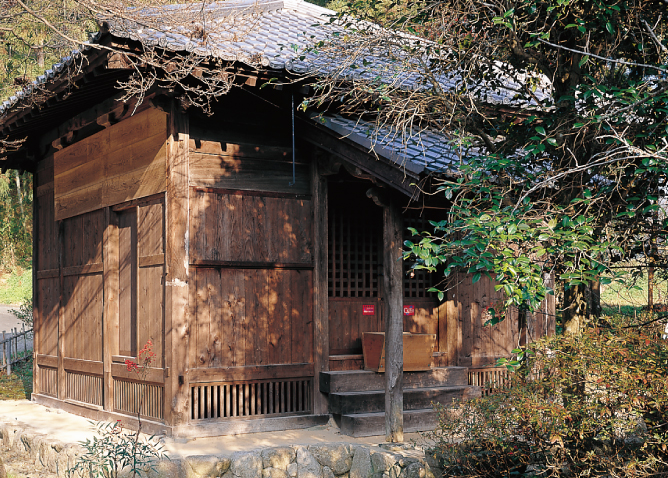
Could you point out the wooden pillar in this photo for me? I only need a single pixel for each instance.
(62, 376)
(320, 293)
(110, 343)
(36, 315)
(394, 347)
(177, 390)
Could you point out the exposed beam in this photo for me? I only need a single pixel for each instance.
(357, 157)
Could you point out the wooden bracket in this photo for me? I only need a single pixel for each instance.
(114, 116)
(379, 197)
(360, 174)
(328, 164)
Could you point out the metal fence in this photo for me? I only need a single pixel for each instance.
(14, 348)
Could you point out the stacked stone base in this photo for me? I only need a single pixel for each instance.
(341, 460)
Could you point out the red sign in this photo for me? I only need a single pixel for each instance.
(409, 310)
(368, 310)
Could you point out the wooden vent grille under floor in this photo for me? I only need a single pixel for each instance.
(48, 381)
(84, 388)
(251, 399)
(128, 396)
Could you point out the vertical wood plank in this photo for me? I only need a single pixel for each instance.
(215, 327)
(394, 293)
(62, 333)
(249, 324)
(199, 325)
(194, 313)
(111, 288)
(177, 203)
(37, 315)
(262, 294)
(235, 223)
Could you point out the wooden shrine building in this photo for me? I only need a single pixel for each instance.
(253, 266)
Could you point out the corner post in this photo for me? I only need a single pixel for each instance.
(394, 346)
(177, 261)
(320, 295)
(36, 316)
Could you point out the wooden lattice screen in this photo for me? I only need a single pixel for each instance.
(48, 380)
(130, 396)
(250, 399)
(84, 388)
(355, 253)
(417, 282)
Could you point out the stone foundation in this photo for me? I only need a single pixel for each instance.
(342, 460)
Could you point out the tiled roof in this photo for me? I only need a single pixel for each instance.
(272, 34)
(423, 151)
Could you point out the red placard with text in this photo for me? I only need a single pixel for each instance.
(368, 310)
(409, 310)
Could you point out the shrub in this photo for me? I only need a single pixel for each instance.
(24, 313)
(593, 404)
(114, 449)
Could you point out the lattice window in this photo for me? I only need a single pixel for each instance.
(251, 399)
(355, 252)
(417, 282)
(129, 395)
(84, 388)
(48, 380)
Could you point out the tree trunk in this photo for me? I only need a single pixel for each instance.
(19, 193)
(596, 298)
(650, 285)
(576, 308)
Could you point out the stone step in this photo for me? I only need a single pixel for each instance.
(364, 380)
(346, 403)
(372, 424)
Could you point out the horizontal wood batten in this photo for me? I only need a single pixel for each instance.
(46, 360)
(154, 375)
(138, 202)
(252, 265)
(95, 268)
(346, 357)
(84, 366)
(361, 300)
(122, 358)
(245, 425)
(48, 274)
(261, 372)
(84, 404)
(94, 413)
(150, 261)
(237, 192)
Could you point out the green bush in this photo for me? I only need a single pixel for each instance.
(594, 405)
(24, 313)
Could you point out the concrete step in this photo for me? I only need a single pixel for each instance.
(346, 403)
(371, 424)
(363, 380)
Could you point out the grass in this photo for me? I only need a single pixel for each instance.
(18, 385)
(15, 286)
(631, 298)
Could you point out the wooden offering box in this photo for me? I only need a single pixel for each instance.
(418, 349)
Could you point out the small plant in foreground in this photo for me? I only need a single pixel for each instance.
(595, 404)
(24, 312)
(114, 449)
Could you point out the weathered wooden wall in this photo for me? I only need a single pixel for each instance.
(123, 162)
(251, 268)
(99, 287)
(251, 272)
